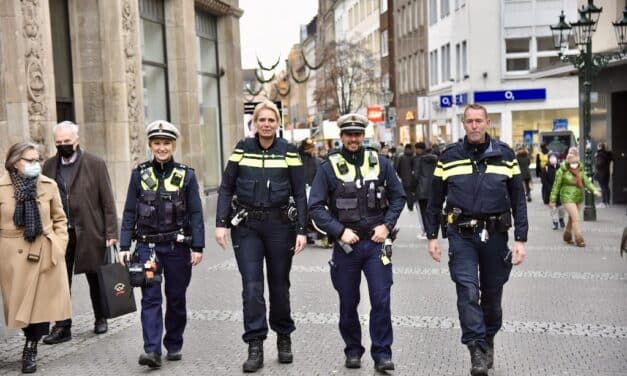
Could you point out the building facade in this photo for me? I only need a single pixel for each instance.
(114, 66)
(500, 65)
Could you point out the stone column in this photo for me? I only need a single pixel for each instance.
(28, 109)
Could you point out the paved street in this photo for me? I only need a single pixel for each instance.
(564, 310)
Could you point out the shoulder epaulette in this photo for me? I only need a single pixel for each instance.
(450, 146)
(144, 165)
(332, 152)
(181, 165)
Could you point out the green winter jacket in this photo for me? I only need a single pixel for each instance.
(565, 187)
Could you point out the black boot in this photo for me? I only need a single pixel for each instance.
(562, 224)
(555, 225)
(478, 359)
(29, 356)
(490, 352)
(255, 356)
(284, 347)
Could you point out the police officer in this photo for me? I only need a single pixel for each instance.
(163, 212)
(365, 198)
(481, 182)
(267, 221)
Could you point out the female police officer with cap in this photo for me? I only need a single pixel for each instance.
(162, 212)
(263, 172)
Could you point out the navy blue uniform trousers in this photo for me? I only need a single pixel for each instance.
(346, 277)
(176, 269)
(479, 271)
(254, 241)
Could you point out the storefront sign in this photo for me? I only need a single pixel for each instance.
(510, 95)
(461, 99)
(560, 124)
(446, 101)
(375, 114)
(409, 116)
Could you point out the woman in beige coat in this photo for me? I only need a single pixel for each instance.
(33, 238)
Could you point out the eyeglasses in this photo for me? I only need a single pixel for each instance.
(31, 160)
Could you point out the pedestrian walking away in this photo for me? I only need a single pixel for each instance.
(542, 158)
(570, 181)
(405, 172)
(424, 166)
(163, 213)
(262, 198)
(548, 178)
(33, 240)
(365, 198)
(522, 156)
(88, 202)
(602, 161)
(477, 223)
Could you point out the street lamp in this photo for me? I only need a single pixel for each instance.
(588, 64)
(386, 97)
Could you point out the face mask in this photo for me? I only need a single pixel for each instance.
(574, 165)
(65, 151)
(32, 170)
(553, 161)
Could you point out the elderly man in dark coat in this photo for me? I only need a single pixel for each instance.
(89, 205)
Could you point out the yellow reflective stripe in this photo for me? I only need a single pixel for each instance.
(293, 161)
(368, 172)
(511, 163)
(457, 170)
(237, 155)
(153, 177)
(501, 170)
(516, 170)
(276, 163)
(455, 163)
(336, 159)
(168, 182)
(439, 172)
(291, 154)
(251, 162)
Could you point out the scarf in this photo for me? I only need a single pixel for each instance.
(575, 172)
(26, 210)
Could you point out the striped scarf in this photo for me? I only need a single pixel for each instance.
(26, 210)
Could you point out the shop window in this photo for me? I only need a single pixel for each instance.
(209, 97)
(154, 60)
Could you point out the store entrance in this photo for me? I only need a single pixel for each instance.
(619, 147)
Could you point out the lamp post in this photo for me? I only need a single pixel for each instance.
(588, 65)
(386, 97)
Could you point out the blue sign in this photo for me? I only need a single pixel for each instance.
(510, 95)
(446, 101)
(560, 124)
(461, 99)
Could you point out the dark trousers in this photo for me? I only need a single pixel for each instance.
(479, 271)
(92, 280)
(36, 331)
(254, 241)
(605, 189)
(423, 209)
(346, 272)
(174, 264)
(527, 186)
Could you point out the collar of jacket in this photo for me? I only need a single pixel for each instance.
(259, 143)
(477, 149)
(163, 169)
(355, 158)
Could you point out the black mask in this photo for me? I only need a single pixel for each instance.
(65, 151)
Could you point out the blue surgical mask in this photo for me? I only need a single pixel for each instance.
(32, 170)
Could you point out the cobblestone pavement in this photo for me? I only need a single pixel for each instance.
(565, 313)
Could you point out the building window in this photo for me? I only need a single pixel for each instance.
(517, 54)
(209, 97)
(154, 60)
(458, 61)
(433, 68)
(433, 12)
(546, 54)
(62, 59)
(464, 60)
(444, 8)
(384, 43)
(446, 62)
(383, 6)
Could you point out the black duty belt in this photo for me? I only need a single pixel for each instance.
(265, 214)
(158, 238)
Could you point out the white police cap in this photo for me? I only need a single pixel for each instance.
(162, 129)
(352, 123)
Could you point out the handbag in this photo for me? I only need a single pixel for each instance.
(116, 292)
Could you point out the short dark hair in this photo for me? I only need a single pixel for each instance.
(420, 145)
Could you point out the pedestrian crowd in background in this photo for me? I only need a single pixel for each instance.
(59, 220)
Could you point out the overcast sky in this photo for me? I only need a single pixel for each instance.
(270, 28)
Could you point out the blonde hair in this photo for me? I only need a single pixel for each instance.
(474, 106)
(266, 105)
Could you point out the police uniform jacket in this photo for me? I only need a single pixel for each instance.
(326, 184)
(193, 223)
(481, 180)
(263, 179)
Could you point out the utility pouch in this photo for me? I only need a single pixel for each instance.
(371, 196)
(347, 209)
(504, 222)
(382, 198)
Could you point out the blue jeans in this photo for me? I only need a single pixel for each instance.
(176, 268)
(254, 241)
(479, 271)
(346, 277)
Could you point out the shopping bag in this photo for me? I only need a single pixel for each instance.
(116, 293)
